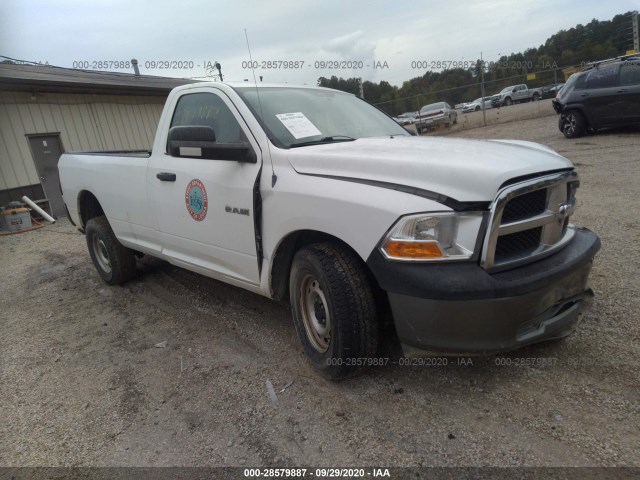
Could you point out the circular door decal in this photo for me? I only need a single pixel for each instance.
(196, 199)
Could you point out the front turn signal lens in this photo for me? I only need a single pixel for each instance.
(408, 249)
(432, 237)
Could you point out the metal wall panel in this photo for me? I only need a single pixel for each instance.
(85, 122)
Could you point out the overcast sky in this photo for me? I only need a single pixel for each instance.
(372, 32)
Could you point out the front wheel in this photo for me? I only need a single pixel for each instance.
(573, 124)
(507, 101)
(115, 263)
(333, 309)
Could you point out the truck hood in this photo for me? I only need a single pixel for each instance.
(461, 169)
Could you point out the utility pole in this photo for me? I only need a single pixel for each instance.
(635, 32)
(484, 114)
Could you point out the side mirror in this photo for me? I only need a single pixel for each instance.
(199, 141)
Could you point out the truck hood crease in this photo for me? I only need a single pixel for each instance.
(460, 169)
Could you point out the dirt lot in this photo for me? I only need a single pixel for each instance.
(83, 382)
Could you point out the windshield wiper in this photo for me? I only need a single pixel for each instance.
(332, 139)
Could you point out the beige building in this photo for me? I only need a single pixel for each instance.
(45, 111)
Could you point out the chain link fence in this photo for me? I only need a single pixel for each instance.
(458, 96)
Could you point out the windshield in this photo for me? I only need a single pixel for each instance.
(506, 89)
(306, 116)
(568, 86)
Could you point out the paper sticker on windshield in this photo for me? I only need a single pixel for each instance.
(196, 199)
(299, 125)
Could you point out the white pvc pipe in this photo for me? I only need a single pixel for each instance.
(44, 214)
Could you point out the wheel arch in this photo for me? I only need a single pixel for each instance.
(88, 207)
(286, 250)
(579, 108)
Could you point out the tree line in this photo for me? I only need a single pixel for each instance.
(575, 47)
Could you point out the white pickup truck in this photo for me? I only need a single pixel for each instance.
(313, 197)
(515, 94)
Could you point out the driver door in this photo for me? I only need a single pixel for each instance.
(205, 208)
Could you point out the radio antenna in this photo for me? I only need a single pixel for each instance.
(274, 178)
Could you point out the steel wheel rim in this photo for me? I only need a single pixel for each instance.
(101, 254)
(315, 313)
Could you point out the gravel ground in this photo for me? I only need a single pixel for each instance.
(88, 380)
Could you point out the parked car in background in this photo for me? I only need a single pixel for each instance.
(515, 94)
(476, 105)
(440, 113)
(607, 94)
(407, 118)
(550, 91)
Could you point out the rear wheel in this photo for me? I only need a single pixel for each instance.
(333, 309)
(115, 263)
(573, 124)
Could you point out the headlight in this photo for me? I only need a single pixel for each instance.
(433, 237)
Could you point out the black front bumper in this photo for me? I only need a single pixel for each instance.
(461, 308)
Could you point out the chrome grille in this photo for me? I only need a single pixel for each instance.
(525, 205)
(519, 243)
(530, 220)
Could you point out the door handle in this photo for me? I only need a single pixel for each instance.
(584, 95)
(166, 177)
(622, 91)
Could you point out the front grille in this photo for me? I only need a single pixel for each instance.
(517, 244)
(530, 219)
(525, 206)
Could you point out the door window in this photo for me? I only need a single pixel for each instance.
(208, 109)
(630, 74)
(603, 77)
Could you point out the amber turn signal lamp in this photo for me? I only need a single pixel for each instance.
(404, 249)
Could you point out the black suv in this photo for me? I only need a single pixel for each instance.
(606, 94)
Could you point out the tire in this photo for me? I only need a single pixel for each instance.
(115, 263)
(573, 124)
(478, 108)
(536, 97)
(507, 101)
(334, 309)
(455, 119)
